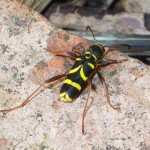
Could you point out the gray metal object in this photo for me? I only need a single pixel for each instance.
(139, 44)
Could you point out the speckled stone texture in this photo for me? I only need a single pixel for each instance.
(46, 123)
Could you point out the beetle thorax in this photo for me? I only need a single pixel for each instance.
(95, 51)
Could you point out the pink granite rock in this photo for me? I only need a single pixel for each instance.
(48, 123)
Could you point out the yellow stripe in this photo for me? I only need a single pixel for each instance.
(82, 74)
(65, 97)
(74, 84)
(87, 52)
(74, 70)
(94, 56)
(62, 95)
(90, 54)
(101, 46)
(91, 65)
(78, 59)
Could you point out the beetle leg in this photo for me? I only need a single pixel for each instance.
(72, 54)
(78, 49)
(110, 61)
(106, 91)
(55, 52)
(33, 94)
(71, 57)
(93, 86)
(116, 46)
(86, 107)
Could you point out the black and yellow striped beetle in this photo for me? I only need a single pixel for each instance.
(88, 62)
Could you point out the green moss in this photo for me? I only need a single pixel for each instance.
(66, 37)
(110, 74)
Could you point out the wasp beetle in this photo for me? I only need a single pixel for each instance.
(88, 63)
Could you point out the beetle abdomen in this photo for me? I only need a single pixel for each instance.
(76, 81)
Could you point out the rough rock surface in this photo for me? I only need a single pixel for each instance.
(123, 23)
(47, 123)
(136, 6)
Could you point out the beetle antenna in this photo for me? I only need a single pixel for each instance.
(88, 28)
